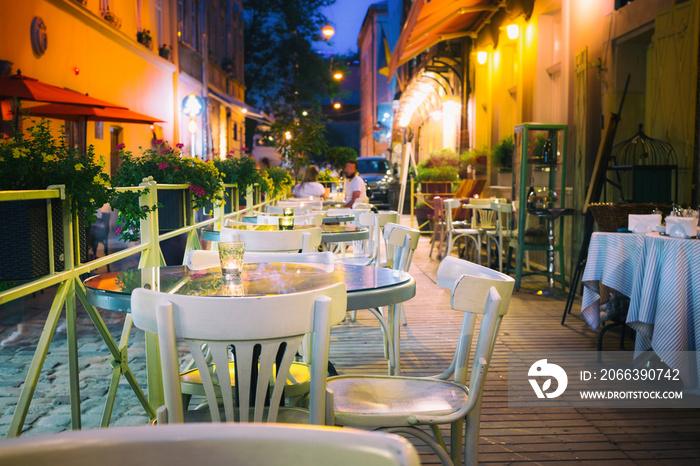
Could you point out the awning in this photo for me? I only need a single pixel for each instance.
(26, 88)
(73, 112)
(432, 21)
(250, 112)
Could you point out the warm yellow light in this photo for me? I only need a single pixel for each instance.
(304, 113)
(192, 126)
(288, 135)
(327, 31)
(481, 57)
(513, 31)
(337, 75)
(336, 105)
(244, 110)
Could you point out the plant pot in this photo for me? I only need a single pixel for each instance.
(24, 242)
(171, 212)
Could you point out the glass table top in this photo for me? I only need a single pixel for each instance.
(256, 280)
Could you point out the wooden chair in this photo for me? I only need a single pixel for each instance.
(456, 232)
(262, 332)
(401, 244)
(300, 379)
(213, 445)
(307, 240)
(401, 404)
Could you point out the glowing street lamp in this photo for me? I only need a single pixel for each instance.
(481, 57)
(513, 31)
(338, 75)
(337, 105)
(192, 128)
(327, 31)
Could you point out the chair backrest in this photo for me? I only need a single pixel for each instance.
(504, 218)
(475, 290)
(211, 444)
(401, 244)
(302, 202)
(264, 334)
(200, 259)
(450, 206)
(279, 209)
(302, 219)
(306, 240)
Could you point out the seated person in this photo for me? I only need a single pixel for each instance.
(354, 186)
(309, 187)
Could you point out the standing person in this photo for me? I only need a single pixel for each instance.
(354, 189)
(309, 186)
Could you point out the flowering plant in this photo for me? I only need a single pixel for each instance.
(279, 180)
(38, 160)
(165, 165)
(241, 171)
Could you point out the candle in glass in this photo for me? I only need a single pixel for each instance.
(288, 212)
(231, 257)
(286, 223)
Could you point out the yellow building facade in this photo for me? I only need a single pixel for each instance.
(93, 47)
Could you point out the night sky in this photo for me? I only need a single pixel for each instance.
(346, 17)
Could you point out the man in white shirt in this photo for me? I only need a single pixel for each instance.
(354, 185)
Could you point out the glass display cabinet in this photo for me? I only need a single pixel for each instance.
(539, 186)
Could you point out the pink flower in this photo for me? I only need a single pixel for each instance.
(118, 230)
(158, 142)
(176, 169)
(228, 156)
(179, 145)
(165, 150)
(197, 190)
(163, 166)
(120, 146)
(244, 149)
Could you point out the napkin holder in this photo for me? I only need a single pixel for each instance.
(681, 227)
(643, 223)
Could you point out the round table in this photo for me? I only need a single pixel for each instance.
(329, 233)
(366, 286)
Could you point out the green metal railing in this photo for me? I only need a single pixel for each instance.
(70, 285)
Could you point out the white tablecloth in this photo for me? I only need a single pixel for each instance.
(661, 276)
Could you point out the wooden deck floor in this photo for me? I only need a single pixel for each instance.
(512, 436)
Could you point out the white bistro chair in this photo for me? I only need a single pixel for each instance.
(263, 333)
(401, 404)
(213, 445)
(306, 240)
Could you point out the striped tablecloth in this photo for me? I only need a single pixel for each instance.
(661, 276)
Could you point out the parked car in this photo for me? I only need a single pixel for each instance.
(379, 178)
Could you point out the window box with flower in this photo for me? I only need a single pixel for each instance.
(144, 38)
(167, 166)
(36, 161)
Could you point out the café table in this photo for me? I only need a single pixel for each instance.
(661, 276)
(366, 286)
(327, 220)
(329, 233)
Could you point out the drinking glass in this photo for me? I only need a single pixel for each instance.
(231, 257)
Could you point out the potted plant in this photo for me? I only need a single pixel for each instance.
(35, 161)
(437, 172)
(144, 38)
(165, 51)
(167, 166)
(502, 154)
(228, 64)
(241, 171)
